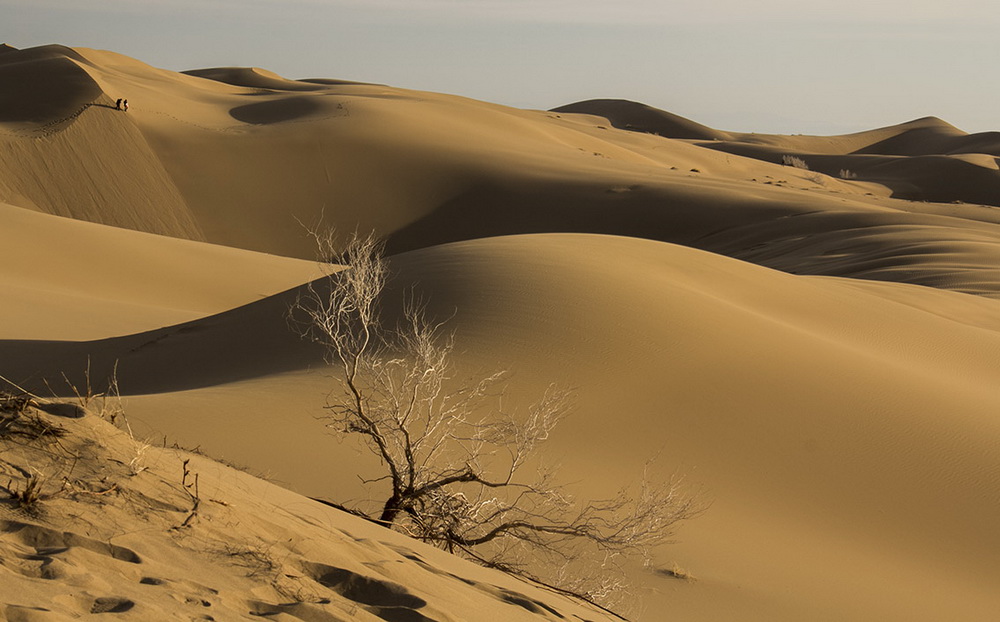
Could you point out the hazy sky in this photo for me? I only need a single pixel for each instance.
(790, 66)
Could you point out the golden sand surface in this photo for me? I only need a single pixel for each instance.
(806, 327)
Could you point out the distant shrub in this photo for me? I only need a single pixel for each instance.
(795, 162)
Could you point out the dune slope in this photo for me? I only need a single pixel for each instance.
(147, 533)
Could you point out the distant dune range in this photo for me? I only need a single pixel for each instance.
(353, 154)
(817, 348)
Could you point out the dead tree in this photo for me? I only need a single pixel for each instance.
(460, 469)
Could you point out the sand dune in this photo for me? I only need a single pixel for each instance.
(957, 178)
(253, 77)
(638, 117)
(932, 136)
(667, 346)
(922, 160)
(467, 170)
(68, 279)
(817, 354)
(862, 142)
(926, 159)
(43, 84)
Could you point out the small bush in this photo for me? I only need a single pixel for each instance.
(794, 162)
(817, 178)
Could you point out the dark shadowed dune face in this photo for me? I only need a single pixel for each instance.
(265, 112)
(937, 141)
(43, 85)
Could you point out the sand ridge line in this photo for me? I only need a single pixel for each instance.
(242, 127)
(54, 127)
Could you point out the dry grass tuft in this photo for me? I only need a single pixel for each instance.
(676, 572)
(18, 418)
(28, 494)
(15, 404)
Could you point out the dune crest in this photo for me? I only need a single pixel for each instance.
(639, 117)
(42, 86)
(253, 77)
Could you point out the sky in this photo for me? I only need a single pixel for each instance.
(773, 66)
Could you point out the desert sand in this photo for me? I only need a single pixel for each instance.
(814, 347)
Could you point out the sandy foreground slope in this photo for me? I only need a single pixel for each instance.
(145, 533)
(819, 358)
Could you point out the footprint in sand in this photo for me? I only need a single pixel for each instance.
(111, 604)
(184, 591)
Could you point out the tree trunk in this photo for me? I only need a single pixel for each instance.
(391, 510)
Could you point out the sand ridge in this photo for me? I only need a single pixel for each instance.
(70, 279)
